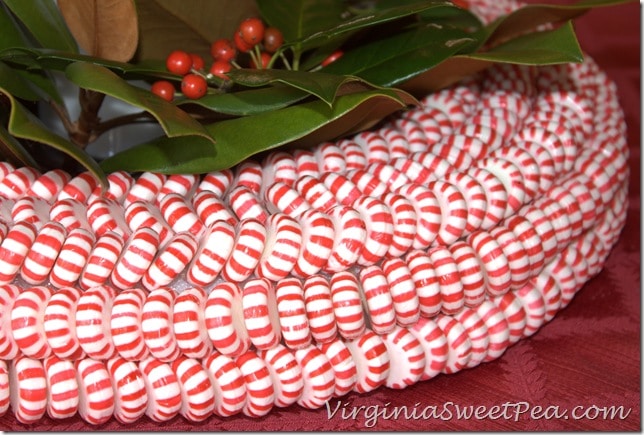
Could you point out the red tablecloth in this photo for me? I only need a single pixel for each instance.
(586, 359)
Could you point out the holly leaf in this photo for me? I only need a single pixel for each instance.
(239, 138)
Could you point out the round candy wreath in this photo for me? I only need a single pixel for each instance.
(424, 246)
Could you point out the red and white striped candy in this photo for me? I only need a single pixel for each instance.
(495, 193)
(146, 188)
(580, 265)
(5, 169)
(330, 158)
(249, 174)
(426, 281)
(458, 341)
(79, 188)
(260, 313)
(319, 309)
(564, 277)
(8, 347)
(102, 260)
(179, 214)
(513, 181)
(197, 394)
(286, 374)
(458, 158)
(30, 209)
(291, 309)
(138, 253)
(518, 260)
(315, 193)
(433, 341)
(552, 296)
(72, 258)
(249, 245)
(27, 317)
(473, 146)
(444, 121)
(413, 134)
(406, 356)
(571, 206)
(350, 236)
(486, 134)
(215, 248)
(217, 182)
(588, 197)
(225, 319)
(130, 393)
(402, 287)
(62, 387)
(528, 166)
(514, 313)
(377, 300)
(188, 323)
(344, 190)
(228, 383)
(514, 101)
(281, 167)
(119, 184)
(96, 394)
(379, 226)
(70, 213)
(43, 253)
(17, 183)
(534, 306)
(347, 305)
(143, 215)
(211, 208)
(93, 322)
(497, 328)
(430, 125)
(428, 213)
(449, 279)
(544, 228)
(538, 131)
(499, 119)
(415, 168)
(469, 270)
(49, 185)
(318, 236)
(282, 249)
(453, 211)
(527, 234)
(355, 157)
(396, 142)
(367, 183)
(59, 324)
(374, 146)
(545, 162)
(14, 249)
(28, 383)
(105, 215)
(494, 264)
(286, 199)
(404, 218)
(246, 204)
(344, 367)
(477, 331)
(317, 376)
(372, 361)
(306, 163)
(389, 175)
(125, 324)
(171, 260)
(558, 218)
(181, 184)
(163, 390)
(260, 395)
(156, 324)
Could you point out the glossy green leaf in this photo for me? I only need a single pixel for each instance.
(14, 151)
(250, 102)
(394, 60)
(539, 48)
(16, 84)
(45, 23)
(174, 121)
(240, 138)
(322, 85)
(11, 35)
(25, 125)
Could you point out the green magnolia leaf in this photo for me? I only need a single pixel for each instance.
(174, 121)
(25, 125)
(16, 84)
(251, 102)
(539, 48)
(322, 85)
(45, 23)
(11, 35)
(394, 60)
(240, 138)
(13, 150)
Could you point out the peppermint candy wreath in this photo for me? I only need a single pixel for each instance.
(425, 246)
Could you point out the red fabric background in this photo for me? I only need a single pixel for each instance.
(588, 355)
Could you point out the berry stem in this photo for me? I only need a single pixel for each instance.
(287, 64)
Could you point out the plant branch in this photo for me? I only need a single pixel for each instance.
(63, 114)
(122, 120)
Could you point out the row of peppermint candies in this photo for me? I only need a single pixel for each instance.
(585, 249)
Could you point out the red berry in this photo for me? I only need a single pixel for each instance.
(179, 62)
(223, 49)
(163, 89)
(265, 59)
(241, 44)
(194, 86)
(197, 62)
(251, 31)
(273, 39)
(332, 57)
(220, 68)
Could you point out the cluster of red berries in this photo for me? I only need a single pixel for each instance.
(252, 37)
